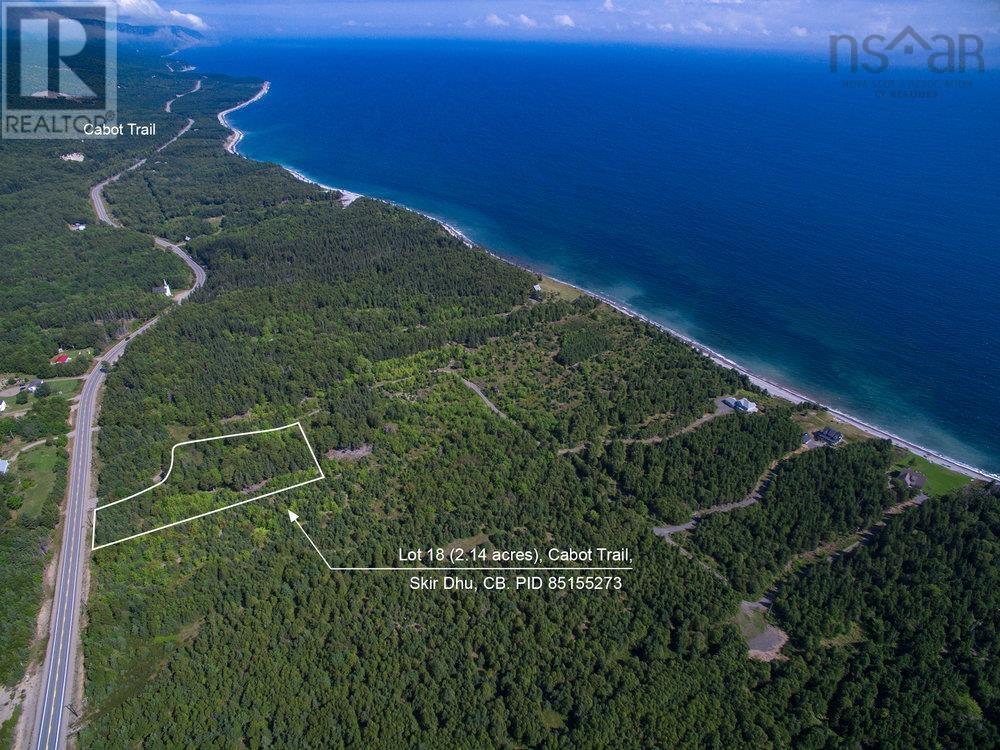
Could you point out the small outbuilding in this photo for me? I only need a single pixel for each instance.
(4, 466)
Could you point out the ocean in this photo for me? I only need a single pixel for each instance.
(834, 233)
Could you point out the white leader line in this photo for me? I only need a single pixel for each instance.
(94, 546)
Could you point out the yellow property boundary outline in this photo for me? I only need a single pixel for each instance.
(93, 532)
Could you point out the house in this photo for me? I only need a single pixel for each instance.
(4, 466)
(60, 359)
(3, 406)
(77, 227)
(33, 386)
(163, 289)
(913, 478)
(740, 404)
(805, 438)
(537, 287)
(75, 156)
(830, 436)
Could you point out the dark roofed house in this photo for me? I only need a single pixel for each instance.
(913, 478)
(33, 386)
(830, 435)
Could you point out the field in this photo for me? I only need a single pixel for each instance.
(940, 480)
(36, 468)
(67, 387)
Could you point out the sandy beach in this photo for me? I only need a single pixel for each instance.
(775, 389)
(237, 135)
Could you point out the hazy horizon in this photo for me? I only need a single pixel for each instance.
(786, 24)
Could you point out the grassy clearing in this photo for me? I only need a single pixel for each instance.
(552, 719)
(940, 480)
(817, 420)
(36, 469)
(854, 634)
(751, 622)
(68, 387)
(560, 290)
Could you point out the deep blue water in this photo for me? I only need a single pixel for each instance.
(834, 240)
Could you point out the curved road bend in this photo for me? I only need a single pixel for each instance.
(60, 657)
(97, 192)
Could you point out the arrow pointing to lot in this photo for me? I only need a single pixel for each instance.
(294, 518)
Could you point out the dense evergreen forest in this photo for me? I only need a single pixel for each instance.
(908, 624)
(813, 498)
(451, 406)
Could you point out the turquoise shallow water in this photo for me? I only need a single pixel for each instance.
(832, 238)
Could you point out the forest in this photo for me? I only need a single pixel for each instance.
(61, 288)
(371, 325)
(207, 476)
(720, 462)
(908, 624)
(813, 498)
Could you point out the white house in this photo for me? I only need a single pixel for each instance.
(4, 466)
(3, 406)
(164, 289)
(741, 404)
(77, 227)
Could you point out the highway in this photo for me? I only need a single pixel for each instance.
(57, 678)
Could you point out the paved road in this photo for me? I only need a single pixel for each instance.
(169, 104)
(97, 192)
(56, 692)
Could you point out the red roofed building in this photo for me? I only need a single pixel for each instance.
(60, 359)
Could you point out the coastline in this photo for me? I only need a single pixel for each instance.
(237, 135)
(769, 386)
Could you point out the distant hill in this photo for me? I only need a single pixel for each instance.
(179, 35)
